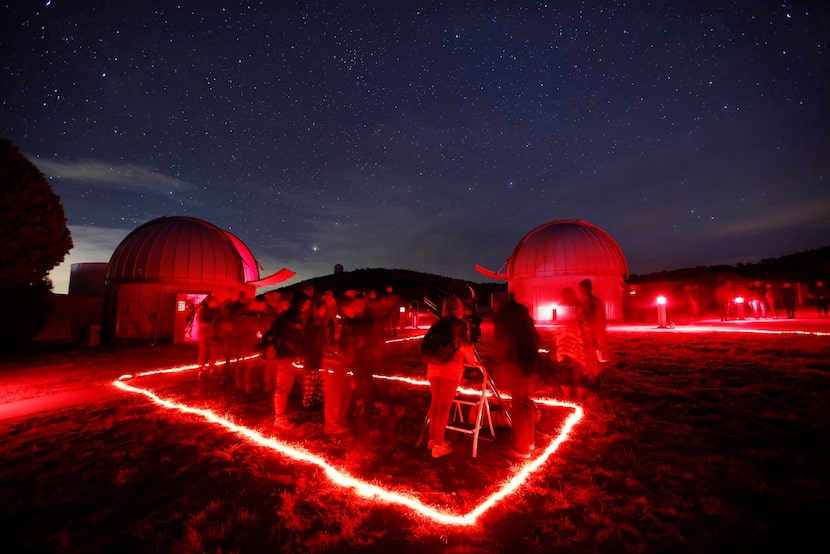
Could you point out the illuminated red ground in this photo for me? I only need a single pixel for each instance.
(391, 491)
(461, 509)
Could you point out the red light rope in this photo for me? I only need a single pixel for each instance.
(340, 477)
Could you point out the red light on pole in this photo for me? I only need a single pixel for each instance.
(739, 302)
(661, 312)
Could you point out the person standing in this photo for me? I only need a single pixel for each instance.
(286, 335)
(694, 305)
(517, 351)
(593, 310)
(391, 309)
(757, 302)
(208, 346)
(367, 329)
(769, 297)
(318, 337)
(192, 309)
(788, 297)
(573, 353)
(337, 379)
(821, 295)
(722, 298)
(445, 376)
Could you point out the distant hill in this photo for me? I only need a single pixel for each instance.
(408, 284)
(803, 267)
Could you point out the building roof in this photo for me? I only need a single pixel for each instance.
(563, 247)
(181, 249)
(567, 247)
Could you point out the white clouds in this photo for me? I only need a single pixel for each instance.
(91, 244)
(104, 175)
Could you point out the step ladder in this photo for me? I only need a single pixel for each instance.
(472, 410)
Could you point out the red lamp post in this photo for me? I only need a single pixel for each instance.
(661, 312)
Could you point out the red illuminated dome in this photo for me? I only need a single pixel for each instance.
(558, 255)
(181, 250)
(566, 247)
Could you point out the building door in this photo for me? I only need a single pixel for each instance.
(186, 327)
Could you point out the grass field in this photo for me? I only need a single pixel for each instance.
(698, 442)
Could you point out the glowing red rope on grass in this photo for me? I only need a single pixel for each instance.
(340, 477)
(180, 368)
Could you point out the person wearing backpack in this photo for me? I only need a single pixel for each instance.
(447, 349)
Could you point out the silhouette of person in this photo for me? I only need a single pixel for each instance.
(208, 345)
(391, 308)
(516, 347)
(228, 330)
(286, 335)
(251, 325)
(757, 302)
(820, 294)
(771, 300)
(192, 309)
(367, 329)
(694, 305)
(723, 296)
(337, 380)
(444, 377)
(593, 310)
(788, 297)
(318, 336)
(573, 348)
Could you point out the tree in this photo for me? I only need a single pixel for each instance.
(34, 239)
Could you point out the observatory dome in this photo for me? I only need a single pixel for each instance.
(566, 247)
(181, 250)
(558, 255)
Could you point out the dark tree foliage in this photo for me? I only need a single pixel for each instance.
(34, 239)
(803, 267)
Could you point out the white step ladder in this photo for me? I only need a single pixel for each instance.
(471, 409)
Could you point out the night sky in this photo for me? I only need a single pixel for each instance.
(428, 136)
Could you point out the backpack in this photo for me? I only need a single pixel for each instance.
(439, 344)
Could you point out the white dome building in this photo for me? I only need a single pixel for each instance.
(166, 266)
(560, 254)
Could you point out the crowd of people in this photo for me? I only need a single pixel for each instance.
(331, 346)
(758, 300)
(334, 346)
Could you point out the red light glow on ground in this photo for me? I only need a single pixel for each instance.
(733, 327)
(368, 490)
